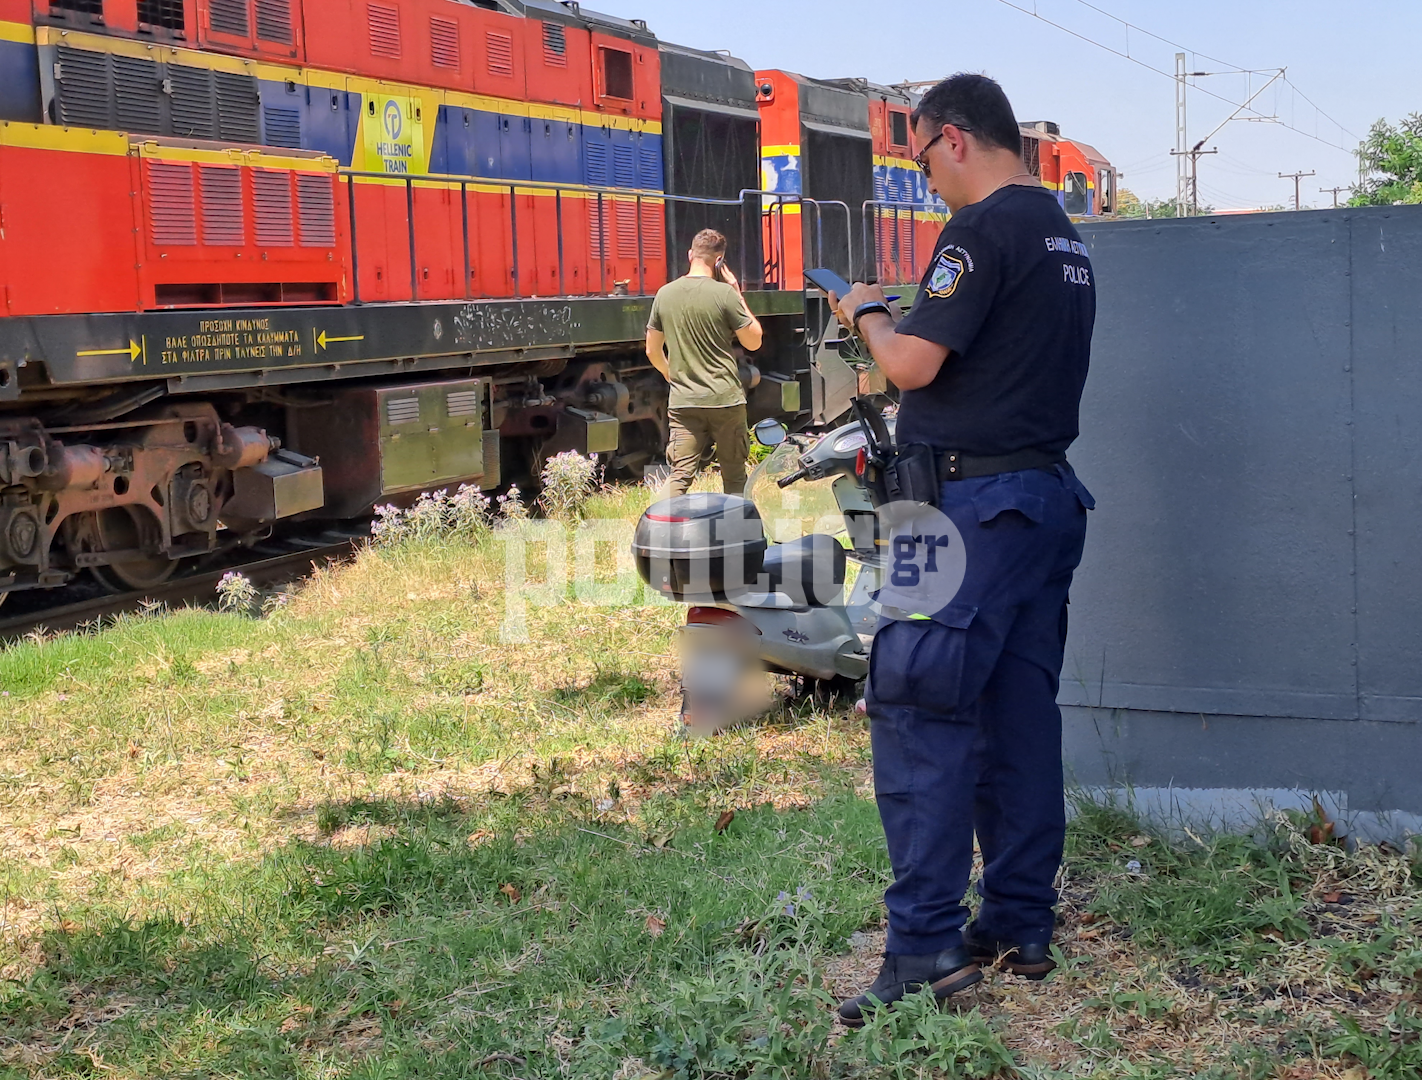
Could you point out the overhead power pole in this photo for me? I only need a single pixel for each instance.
(1181, 145)
(1334, 191)
(1297, 178)
(1195, 154)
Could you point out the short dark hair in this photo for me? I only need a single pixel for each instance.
(708, 245)
(976, 104)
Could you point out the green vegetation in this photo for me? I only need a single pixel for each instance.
(353, 832)
(1391, 157)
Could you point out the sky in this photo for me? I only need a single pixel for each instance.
(1356, 70)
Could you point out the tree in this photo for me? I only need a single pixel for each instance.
(1391, 157)
(1131, 205)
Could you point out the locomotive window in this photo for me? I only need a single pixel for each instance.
(166, 14)
(80, 7)
(1032, 155)
(1074, 193)
(898, 128)
(1104, 191)
(617, 74)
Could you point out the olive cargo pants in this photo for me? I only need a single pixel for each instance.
(695, 429)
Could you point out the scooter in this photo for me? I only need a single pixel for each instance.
(761, 606)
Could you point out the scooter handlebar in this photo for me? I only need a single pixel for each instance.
(790, 478)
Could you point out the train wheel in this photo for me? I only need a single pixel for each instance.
(129, 529)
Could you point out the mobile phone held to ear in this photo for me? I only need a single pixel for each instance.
(719, 270)
(827, 281)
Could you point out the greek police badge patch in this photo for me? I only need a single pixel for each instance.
(948, 270)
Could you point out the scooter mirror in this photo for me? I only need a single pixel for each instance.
(770, 432)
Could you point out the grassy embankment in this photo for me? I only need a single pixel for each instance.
(360, 836)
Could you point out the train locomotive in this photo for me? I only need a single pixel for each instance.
(267, 262)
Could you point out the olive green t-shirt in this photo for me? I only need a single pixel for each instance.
(700, 317)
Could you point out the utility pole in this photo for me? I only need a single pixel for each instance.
(1335, 191)
(1195, 154)
(1296, 177)
(1181, 175)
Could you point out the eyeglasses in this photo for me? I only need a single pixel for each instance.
(921, 159)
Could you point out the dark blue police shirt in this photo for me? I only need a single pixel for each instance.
(1010, 292)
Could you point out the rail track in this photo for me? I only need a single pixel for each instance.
(272, 562)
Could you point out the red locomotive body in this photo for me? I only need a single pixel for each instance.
(227, 225)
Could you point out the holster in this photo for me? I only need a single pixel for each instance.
(911, 475)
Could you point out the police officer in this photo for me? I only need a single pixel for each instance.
(964, 723)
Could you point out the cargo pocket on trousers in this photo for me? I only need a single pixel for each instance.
(923, 662)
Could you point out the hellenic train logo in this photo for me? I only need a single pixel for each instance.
(394, 122)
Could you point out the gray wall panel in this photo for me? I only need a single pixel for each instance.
(1248, 616)
(1214, 435)
(1387, 328)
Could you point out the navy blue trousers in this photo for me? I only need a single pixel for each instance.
(964, 722)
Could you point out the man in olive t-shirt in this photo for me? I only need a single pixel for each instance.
(693, 322)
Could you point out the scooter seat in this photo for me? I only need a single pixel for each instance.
(809, 570)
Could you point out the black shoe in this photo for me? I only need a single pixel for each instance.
(947, 972)
(1029, 961)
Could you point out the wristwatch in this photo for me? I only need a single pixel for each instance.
(870, 308)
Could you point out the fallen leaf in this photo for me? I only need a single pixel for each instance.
(1320, 834)
(1088, 935)
(134, 749)
(1357, 1072)
(479, 837)
(1272, 932)
(661, 840)
(1089, 917)
(1332, 897)
(1140, 841)
(655, 926)
(511, 891)
(725, 819)
(289, 1025)
(395, 1006)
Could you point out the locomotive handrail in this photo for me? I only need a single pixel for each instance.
(820, 233)
(772, 276)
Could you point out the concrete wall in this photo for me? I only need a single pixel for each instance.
(1248, 617)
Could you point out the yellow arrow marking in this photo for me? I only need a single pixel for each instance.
(322, 339)
(133, 349)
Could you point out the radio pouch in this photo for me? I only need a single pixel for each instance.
(911, 475)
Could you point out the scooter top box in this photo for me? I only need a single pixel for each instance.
(700, 548)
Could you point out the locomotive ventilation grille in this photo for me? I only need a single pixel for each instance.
(229, 17)
(499, 48)
(274, 21)
(402, 410)
(172, 215)
(461, 403)
(384, 25)
(271, 199)
(555, 45)
(283, 127)
(444, 42)
(223, 218)
(97, 90)
(316, 206)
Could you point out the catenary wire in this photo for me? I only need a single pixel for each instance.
(1201, 89)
